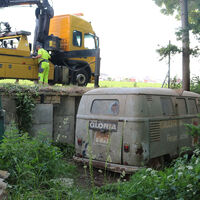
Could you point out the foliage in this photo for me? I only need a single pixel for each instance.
(33, 164)
(68, 150)
(25, 103)
(195, 84)
(180, 181)
(170, 49)
(170, 7)
(175, 83)
(193, 129)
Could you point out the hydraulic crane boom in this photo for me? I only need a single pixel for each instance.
(44, 12)
(6, 3)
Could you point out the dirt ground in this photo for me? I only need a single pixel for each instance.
(97, 177)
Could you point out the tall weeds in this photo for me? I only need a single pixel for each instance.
(32, 164)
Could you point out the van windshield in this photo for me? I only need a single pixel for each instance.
(105, 107)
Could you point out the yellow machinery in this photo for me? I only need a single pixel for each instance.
(71, 41)
(15, 58)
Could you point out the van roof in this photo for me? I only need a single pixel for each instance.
(148, 91)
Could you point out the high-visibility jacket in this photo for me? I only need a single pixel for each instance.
(44, 55)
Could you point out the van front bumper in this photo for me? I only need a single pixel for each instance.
(108, 166)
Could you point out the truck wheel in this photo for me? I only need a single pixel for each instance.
(82, 78)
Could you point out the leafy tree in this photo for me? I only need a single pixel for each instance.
(166, 51)
(170, 7)
(188, 11)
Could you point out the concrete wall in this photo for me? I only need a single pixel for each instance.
(55, 118)
(64, 120)
(8, 104)
(43, 120)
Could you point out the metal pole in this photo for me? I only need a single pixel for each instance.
(169, 59)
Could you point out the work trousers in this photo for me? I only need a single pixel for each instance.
(43, 72)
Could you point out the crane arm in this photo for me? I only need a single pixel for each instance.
(6, 3)
(42, 4)
(44, 12)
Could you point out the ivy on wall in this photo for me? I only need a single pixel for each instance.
(25, 97)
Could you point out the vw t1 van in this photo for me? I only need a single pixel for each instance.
(123, 129)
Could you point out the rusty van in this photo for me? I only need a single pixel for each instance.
(123, 129)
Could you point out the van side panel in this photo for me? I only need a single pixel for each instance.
(166, 141)
(167, 133)
(135, 136)
(185, 140)
(135, 131)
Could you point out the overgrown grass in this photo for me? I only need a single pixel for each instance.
(39, 172)
(101, 83)
(125, 84)
(37, 169)
(21, 82)
(180, 181)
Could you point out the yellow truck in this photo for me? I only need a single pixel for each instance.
(71, 41)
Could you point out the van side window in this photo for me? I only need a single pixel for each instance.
(192, 106)
(167, 106)
(181, 105)
(105, 107)
(77, 38)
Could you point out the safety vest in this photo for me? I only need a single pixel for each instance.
(44, 55)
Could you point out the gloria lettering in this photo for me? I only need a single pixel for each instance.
(103, 125)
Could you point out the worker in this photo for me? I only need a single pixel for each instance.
(43, 61)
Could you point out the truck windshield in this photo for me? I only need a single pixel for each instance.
(105, 107)
(89, 41)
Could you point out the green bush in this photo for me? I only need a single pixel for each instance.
(68, 150)
(32, 164)
(195, 84)
(181, 181)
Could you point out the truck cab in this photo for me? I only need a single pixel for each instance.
(79, 47)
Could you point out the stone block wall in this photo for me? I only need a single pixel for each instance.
(55, 118)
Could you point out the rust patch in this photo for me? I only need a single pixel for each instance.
(139, 151)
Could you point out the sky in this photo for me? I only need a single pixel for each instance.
(130, 32)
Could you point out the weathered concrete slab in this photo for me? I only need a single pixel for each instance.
(9, 105)
(46, 129)
(64, 120)
(43, 114)
(43, 120)
(64, 129)
(66, 106)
